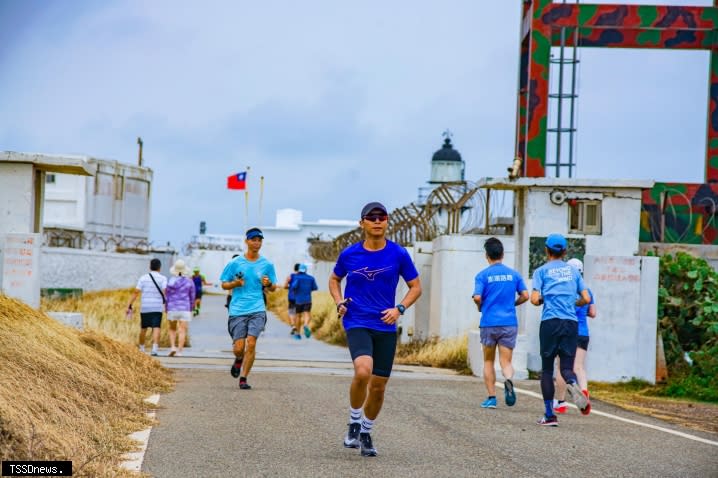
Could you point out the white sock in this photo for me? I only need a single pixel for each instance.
(154, 347)
(366, 425)
(142, 348)
(354, 415)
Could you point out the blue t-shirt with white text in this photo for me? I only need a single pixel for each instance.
(559, 284)
(498, 285)
(248, 298)
(372, 278)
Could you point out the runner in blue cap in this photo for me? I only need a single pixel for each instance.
(556, 286)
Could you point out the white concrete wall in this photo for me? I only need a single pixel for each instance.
(20, 267)
(539, 217)
(321, 272)
(17, 212)
(93, 270)
(415, 323)
(456, 261)
(623, 334)
(65, 201)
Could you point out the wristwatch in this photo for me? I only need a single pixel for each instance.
(401, 309)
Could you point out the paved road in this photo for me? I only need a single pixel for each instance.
(292, 422)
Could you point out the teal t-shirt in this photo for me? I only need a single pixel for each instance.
(248, 298)
(559, 284)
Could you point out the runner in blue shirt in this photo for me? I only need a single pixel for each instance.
(247, 276)
(495, 290)
(291, 305)
(582, 313)
(555, 286)
(303, 285)
(369, 315)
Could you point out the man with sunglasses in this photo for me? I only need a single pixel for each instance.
(369, 314)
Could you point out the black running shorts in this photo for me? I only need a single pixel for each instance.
(582, 342)
(558, 337)
(303, 308)
(380, 346)
(150, 319)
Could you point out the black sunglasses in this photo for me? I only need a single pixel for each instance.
(376, 217)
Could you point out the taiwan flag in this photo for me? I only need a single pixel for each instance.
(237, 181)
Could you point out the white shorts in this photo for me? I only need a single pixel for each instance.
(184, 315)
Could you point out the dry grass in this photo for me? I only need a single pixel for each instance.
(640, 397)
(70, 395)
(325, 324)
(450, 353)
(104, 312)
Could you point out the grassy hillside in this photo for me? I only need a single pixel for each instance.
(70, 395)
(104, 311)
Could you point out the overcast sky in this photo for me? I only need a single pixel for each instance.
(335, 103)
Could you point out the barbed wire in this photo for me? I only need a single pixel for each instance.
(98, 242)
(451, 208)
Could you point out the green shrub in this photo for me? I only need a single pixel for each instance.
(688, 323)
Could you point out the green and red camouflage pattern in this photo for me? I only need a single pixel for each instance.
(680, 213)
(610, 26)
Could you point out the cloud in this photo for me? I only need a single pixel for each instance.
(334, 103)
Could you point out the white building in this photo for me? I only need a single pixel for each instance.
(22, 181)
(108, 210)
(285, 244)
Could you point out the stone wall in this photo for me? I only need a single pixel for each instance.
(65, 268)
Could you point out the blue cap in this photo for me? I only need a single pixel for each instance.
(303, 268)
(254, 232)
(556, 242)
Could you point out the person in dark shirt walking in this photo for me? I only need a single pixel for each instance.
(302, 286)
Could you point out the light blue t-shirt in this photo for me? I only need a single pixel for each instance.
(372, 277)
(582, 314)
(498, 285)
(248, 298)
(559, 284)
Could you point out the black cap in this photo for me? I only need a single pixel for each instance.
(371, 206)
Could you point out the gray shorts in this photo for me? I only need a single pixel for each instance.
(503, 335)
(240, 326)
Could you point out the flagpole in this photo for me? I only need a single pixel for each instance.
(261, 196)
(246, 202)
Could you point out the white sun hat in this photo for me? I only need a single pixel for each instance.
(179, 268)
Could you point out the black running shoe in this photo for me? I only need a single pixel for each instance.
(509, 393)
(545, 421)
(352, 438)
(367, 449)
(245, 386)
(236, 367)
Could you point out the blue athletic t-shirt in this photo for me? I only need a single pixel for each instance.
(582, 314)
(303, 285)
(290, 291)
(248, 298)
(372, 277)
(559, 284)
(498, 285)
